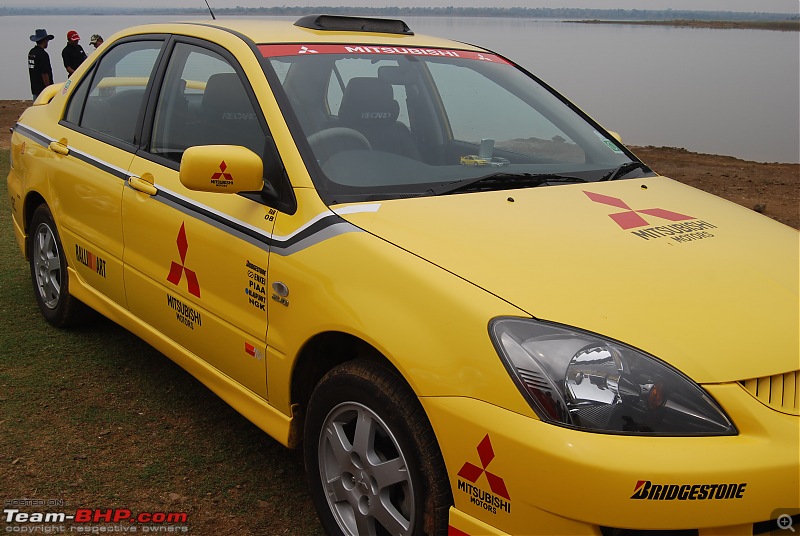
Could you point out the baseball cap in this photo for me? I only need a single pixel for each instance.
(95, 38)
(72, 35)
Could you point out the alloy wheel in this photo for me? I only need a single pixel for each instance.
(365, 473)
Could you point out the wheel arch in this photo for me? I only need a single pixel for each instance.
(32, 201)
(324, 352)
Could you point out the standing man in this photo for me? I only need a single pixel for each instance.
(39, 69)
(96, 40)
(73, 54)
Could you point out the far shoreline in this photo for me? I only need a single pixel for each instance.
(778, 25)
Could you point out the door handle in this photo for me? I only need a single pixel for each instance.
(59, 146)
(143, 184)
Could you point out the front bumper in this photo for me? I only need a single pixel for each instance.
(517, 475)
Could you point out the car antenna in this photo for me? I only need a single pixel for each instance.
(209, 10)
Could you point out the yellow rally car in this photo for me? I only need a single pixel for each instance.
(473, 160)
(567, 344)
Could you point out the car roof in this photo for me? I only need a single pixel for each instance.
(268, 31)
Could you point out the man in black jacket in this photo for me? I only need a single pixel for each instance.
(73, 54)
(39, 68)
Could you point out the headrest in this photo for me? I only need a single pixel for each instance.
(368, 100)
(225, 99)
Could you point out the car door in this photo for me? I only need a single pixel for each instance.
(196, 262)
(95, 145)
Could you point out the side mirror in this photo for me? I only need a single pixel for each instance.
(615, 135)
(227, 169)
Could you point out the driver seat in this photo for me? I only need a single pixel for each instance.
(368, 106)
(228, 115)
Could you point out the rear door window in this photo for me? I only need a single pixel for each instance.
(112, 101)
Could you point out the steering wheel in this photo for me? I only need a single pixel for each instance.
(330, 141)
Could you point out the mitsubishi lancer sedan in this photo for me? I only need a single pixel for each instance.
(470, 305)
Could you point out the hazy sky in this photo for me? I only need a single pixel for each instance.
(776, 6)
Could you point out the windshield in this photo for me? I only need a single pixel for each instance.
(384, 122)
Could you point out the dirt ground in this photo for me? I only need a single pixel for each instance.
(769, 188)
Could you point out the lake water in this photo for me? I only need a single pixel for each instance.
(730, 92)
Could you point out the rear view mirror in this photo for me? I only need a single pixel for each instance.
(222, 169)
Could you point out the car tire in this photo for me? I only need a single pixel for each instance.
(49, 274)
(372, 461)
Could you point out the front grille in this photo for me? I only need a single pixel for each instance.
(780, 392)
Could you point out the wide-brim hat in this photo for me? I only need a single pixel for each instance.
(42, 34)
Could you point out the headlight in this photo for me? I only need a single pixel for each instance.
(581, 380)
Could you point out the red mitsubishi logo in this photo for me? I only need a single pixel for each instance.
(473, 472)
(176, 270)
(629, 218)
(222, 167)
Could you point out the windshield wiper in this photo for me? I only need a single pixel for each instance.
(624, 169)
(502, 180)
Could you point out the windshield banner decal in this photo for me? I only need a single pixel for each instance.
(269, 51)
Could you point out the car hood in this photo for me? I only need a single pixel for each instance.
(702, 283)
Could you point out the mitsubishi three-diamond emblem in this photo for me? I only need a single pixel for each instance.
(472, 472)
(176, 270)
(630, 218)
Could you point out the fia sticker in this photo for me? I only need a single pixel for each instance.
(611, 145)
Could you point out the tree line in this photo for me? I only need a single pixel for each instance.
(449, 11)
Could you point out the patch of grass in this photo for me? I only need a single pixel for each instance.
(98, 418)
